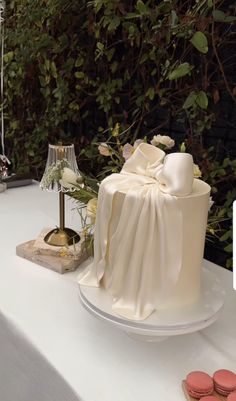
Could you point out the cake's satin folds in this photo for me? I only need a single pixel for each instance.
(138, 240)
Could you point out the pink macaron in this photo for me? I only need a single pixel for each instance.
(199, 384)
(209, 398)
(224, 381)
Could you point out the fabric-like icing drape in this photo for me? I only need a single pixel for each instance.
(141, 255)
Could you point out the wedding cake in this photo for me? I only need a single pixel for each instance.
(149, 234)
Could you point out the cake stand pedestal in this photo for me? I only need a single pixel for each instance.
(160, 324)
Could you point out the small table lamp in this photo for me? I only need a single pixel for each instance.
(59, 156)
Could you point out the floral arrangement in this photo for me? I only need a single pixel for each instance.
(85, 189)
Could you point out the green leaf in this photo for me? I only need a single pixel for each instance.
(229, 263)
(174, 19)
(115, 22)
(150, 93)
(141, 7)
(199, 40)
(100, 46)
(143, 58)
(209, 3)
(164, 7)
(221, 172)
(182, 148)
(222, 212)
(8, 56)
(182, 70)
(229, 248)
(41, 80)
(31, 153)
(226, 236)
(226, 162)
(202, 100)
(190, 101)
(218, 15)
(79, 74)
(132, 15)
(114, 66)
(230, 18)
(79, 62)
(154, 71)
(54, 69)
(47, 64)
(140, 100)
(73, 106)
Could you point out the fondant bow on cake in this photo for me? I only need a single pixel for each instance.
(174, 172)
(138, 241)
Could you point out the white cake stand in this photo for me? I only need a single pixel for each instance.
(163, 323)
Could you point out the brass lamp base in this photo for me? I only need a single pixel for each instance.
(59, 237)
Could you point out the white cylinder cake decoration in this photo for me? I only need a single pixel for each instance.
(150, 234)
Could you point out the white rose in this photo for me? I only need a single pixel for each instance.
(163, 140)
(91, 209)
(103, 149)
(196, 171)
(137, 143)
(128, 149)
(69, 178)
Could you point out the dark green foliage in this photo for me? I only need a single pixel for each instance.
(75, 68)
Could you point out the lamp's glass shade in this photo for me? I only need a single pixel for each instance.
(59, 156)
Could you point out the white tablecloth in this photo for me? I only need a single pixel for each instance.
(51, 349)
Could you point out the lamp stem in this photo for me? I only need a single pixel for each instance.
(62, 210)
(62, 236)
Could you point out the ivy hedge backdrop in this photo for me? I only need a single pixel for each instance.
(77, 70)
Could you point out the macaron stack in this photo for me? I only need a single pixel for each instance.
(224, 381)
(199, 384)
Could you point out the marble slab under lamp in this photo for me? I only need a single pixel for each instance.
(59, 259)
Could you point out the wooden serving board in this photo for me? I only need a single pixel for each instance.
(189, 398)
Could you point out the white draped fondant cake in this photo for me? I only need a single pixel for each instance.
(149, 234)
